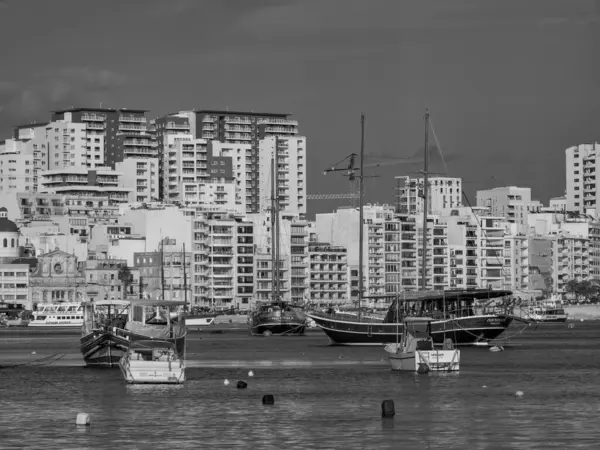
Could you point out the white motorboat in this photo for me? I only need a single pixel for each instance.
(415, 351)
(152, 362)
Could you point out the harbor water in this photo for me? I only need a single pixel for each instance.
(325, 397)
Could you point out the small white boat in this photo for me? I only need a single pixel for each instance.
(415, 351)
(152, 362)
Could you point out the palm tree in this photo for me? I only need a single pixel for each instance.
(126, 278)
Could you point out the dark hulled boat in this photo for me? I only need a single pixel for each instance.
(468, 317)
(110, 326)
(279, 318)
(276, 317)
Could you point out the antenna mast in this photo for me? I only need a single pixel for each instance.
(361, 213)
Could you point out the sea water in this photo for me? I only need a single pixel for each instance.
(325, 397)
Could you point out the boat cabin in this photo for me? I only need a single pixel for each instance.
(152, 351)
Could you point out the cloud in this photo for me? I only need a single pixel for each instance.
(54, 89)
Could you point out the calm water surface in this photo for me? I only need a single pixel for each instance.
(325, 397)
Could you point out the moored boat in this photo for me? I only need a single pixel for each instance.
(111, 326)
(152, 362)
(63, 314)
(548, 311)
(468, 317)
(276, 318)
(414, 350)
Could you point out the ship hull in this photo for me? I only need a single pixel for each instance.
(105, 347)
(277, 328)
(472, 330)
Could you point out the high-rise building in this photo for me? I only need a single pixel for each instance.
(140, 175)
(16, 167)
(444, 194)
(239, 127)
(582, 184)
(125, 132)
(290, 171)
(513, 203)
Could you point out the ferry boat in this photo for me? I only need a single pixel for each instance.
(548, 311)
(63, 314)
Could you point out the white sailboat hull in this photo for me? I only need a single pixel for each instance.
(433, 360)
(152, 372)
(199, 321)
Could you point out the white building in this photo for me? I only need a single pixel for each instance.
(290, 172)
(444, 194)
(141, 176)
(582, 184)
(513, 203)
(79, 181)
(244, 179)
(16, 167)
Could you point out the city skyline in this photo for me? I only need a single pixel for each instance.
(509, 86)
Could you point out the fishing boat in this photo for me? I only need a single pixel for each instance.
(65, 314)
(110, 326)
(200, 319)
(277, 316)
(548, 311)
(470, 317)
(152, 362)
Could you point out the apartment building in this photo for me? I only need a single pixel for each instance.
(476, 242)
(241, 172)
(14, 284)
(288, 157)
(168, 130)
(516, 260)
(444, 194)
(223, 260)
(158, 270)
(124, 132)
(102, 280)
(141, 177)
(16, 167)
(582, 184)
(328, 274)
(513, 203)
(239, 127)
(82, 181)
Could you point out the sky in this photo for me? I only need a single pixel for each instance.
(509, 84)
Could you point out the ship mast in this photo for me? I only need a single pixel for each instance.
(425, 203)
(361, 213)
(274, 231)
(184, 278)
(162, 267)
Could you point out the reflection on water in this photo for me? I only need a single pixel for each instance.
(318, 406)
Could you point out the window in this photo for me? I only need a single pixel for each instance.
(12, 242)
(5, 243)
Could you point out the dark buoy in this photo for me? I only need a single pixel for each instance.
(387, 408)
(268, 399)
(423, 368)
(242, 385)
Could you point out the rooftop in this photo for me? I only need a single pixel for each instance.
(241, 113)
(61, 111)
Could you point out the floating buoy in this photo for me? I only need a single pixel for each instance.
(267, 333)
(387, 408)
(242, 385)
(581, 320)
(340, 357)
(484, 386)
(33, 353)
(268, 399)
(83, 419)
(250, 374)
(519, 394)
(423, 368)
(226, 382)
(497, 348)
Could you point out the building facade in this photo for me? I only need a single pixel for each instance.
(59, 277)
